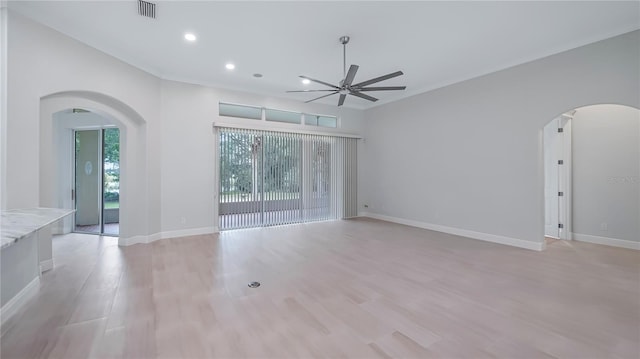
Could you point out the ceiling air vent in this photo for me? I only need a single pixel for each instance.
(147, 9)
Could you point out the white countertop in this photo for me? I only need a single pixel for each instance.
(19, 223)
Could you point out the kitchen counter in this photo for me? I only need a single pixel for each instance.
(19, 223)
(26, 251)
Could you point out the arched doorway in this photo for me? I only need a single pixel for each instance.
(592, 175)
(133, 205)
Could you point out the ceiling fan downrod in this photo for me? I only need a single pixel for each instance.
(344, 40)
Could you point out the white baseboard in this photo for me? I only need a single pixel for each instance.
(169, 234)
(46, 265)
(132, 240)
(188, 232)
(514, 242)
(623, 243)
(14, 304)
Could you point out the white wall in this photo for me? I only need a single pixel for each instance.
(471, 153)
(189, 189)
(3, 100)
(551, 151)
(166, 130)
(42, 62)
(606, 172)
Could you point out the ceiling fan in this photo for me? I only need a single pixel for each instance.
(346, 86)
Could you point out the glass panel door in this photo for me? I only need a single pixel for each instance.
(281, 179)
(275, 178)
(241, 185)
(88, 181)
(111, 195)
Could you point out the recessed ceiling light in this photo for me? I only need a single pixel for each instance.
(306, 81)
(257, 75)
(230, 66)
(190, 37)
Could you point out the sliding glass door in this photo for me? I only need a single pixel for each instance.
(97, 181)
(273, 178)
(88, 187)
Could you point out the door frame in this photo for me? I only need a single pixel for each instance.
(564, 176)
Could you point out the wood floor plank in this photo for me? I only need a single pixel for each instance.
(343, 289)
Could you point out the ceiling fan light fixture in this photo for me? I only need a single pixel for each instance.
(346, 86)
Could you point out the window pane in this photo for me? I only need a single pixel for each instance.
(283, 116)
(111, 186)
(327, 121)
(254, 113)
(311, 120)
(321, 121)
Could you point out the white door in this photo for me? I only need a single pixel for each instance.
(551, 176)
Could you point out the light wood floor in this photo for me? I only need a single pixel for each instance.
(357, 288)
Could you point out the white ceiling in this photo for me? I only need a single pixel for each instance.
(433, 43)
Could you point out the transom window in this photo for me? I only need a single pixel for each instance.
(276, 115)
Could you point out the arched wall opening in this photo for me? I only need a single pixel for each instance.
(591, 173)
(133, 203)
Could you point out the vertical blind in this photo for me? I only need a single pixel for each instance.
(273, 178)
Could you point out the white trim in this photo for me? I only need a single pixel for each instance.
(614, 242)
(188, 232)
(132, 240)
(46, 265)
(154, 237)
(164, 235)
(14, 304)
(216, 179)
(514, 242)
(565, 177)
(260, 126)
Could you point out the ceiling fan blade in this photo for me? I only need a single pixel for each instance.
(361, 95)
(310, 90)
(351, 74)
(317, 98)
(341, 100)
(318, 81)
(378, 79)
(388, 88)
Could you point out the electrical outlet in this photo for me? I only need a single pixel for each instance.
(183, 220)
(604, 226)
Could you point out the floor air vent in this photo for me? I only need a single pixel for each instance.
(147, 9)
